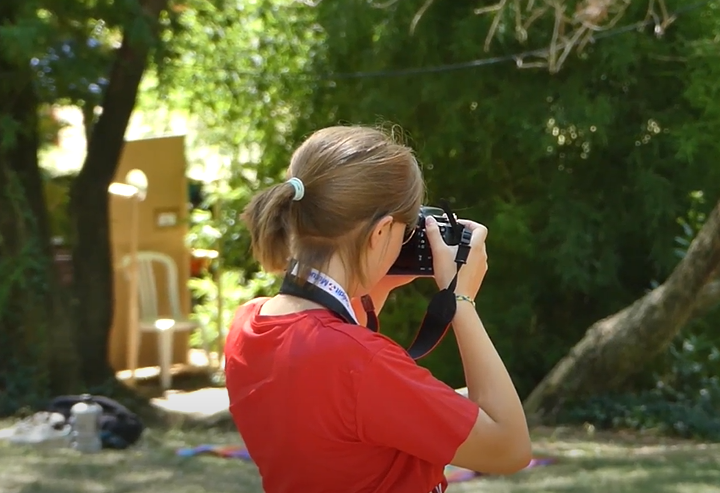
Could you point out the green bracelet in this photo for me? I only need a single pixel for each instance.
(462, 297)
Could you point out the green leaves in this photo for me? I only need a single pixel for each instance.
(579, 189)
(9, 128)
(580, 175)
(19, 40)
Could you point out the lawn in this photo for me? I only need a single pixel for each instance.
(613, 463)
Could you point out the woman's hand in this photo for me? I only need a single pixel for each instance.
(471, 275)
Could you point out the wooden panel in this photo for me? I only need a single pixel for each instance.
(163, 162)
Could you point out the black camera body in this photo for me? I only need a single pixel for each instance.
(415, 257)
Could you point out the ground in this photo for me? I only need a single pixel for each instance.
(588, 463)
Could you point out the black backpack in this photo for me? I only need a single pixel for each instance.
(119, 427)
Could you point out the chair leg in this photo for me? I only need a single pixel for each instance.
(133, 350)
(165, 347)
(206, 345)
(133, 353)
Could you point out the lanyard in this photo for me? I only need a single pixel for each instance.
(328, 287)
(323, 290)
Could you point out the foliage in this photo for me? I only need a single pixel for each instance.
(24, 336)
(647, 411)
(57, 198)
(685, 401)
(236, 290)
(580, 175)
(69, 46)
(233, 68)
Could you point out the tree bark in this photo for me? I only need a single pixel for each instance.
(90, 202)
(707, 299)
(616, 347)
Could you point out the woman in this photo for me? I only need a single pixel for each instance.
(325, 406)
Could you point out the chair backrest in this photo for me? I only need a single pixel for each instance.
(147, 285)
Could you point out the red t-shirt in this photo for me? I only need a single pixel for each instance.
(328, 407)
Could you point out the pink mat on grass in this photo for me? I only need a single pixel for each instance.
(452, 473)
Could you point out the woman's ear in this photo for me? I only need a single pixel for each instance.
(381, 231)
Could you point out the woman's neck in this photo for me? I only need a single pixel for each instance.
(337, 271)
(284, 304)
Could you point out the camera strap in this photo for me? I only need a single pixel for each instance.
(323, 290)
(441, 309)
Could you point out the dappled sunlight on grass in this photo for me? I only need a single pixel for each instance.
(615, 462)
(587, 462)
(150, 467)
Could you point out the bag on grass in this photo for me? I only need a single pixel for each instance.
(119, 427)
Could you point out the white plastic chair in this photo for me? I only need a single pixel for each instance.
(150, 320)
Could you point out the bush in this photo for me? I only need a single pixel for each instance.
(685, 401)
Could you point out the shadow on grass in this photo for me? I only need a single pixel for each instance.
(153, 467)
(138, 471)
(688, 470)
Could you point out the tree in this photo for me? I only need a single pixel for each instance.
(92, 264)
(616, 347)
(25, 302)
(59, 52)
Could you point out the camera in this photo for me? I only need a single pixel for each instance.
(415, 257)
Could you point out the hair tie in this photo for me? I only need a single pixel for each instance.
(299, 187)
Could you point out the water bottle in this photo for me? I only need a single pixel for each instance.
(85, 418)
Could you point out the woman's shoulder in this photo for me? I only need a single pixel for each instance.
(321, 328)
(363, 338)
(377, 351)
(247, 310)
(343, 345)
(325, 331)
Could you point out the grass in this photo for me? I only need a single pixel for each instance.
(612, 462)
(599, 462)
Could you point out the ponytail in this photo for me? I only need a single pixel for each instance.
(267, 217)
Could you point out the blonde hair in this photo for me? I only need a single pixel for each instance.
(353, 176)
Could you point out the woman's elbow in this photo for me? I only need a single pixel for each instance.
(516, 459)
(504, 459)
(494, 449)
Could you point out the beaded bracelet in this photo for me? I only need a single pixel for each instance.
(462, 297)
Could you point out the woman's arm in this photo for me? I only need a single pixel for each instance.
(499, 442)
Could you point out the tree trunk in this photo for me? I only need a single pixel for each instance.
(36, 351)
(89, 197)
(708, 299)
(616, 347)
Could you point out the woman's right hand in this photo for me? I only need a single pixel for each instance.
(471, 275)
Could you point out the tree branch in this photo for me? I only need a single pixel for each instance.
(572, 31)
(420, 13)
